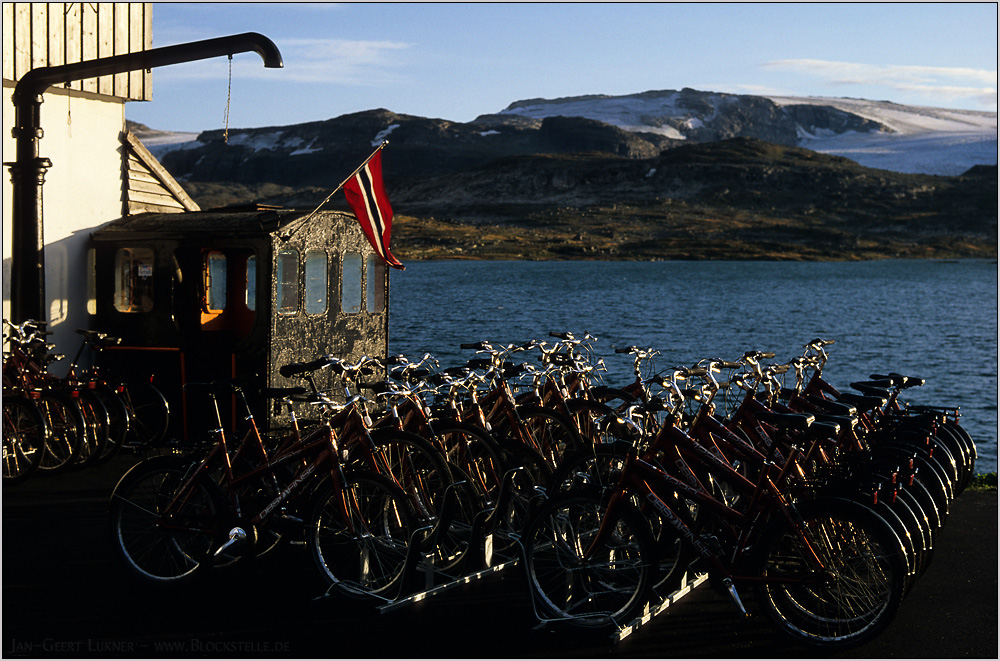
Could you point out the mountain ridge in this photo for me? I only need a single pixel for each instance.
(555, 186)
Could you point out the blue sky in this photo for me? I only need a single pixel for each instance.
(458, 60)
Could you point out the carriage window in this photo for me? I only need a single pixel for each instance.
(91, 281)
(316, 282)
(376, 284)
(215, 281)
(134, 280)
(350, 284)
(251, 283)
(287, 281)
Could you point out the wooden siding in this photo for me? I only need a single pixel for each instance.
(147, 185)
(46, 34)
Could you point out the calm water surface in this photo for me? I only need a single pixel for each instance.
(933, 319)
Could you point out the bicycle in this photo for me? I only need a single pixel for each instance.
(171, 518)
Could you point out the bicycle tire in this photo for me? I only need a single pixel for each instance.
(24, 434)
(923, 497)
(253, 495)
(66, 429)
(865, 575)
(909, 509)
(374, 558)
(593, 421)
(551, 433)
(960, 452)
(475, 451)
(970, 444)
(118, 421)
(929, 473)
(149, 413)
(174, 550)
(608, 589)
(414, 464)
(96, 430)
(600, 468)
(454, 540)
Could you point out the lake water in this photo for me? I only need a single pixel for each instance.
(933, 319)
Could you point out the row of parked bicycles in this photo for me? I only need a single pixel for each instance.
(825, 504)
(54, 422)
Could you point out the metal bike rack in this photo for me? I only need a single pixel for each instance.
(480, 561)
(656, 607)
(477, 565)
(689, 583)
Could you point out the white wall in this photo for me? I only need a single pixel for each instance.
(82, 191)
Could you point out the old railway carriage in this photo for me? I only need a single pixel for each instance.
(207, 295)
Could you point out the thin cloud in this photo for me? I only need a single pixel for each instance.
(315, 61)
(941, 82)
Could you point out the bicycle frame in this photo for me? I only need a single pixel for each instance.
(652, 484)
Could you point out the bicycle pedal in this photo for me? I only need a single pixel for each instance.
(236, 535)
(731, 590)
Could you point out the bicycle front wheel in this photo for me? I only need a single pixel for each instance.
(23, 438)
(118, 420)
(853, 596)
(66, 428)
(165, 526)
(359, 535)
(588, 587)
(96, 429)
(149, 414)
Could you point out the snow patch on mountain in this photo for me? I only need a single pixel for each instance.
(908, 139)
(630, 113)
(914, 140)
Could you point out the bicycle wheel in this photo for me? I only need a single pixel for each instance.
(594, 421)
(165, 532)
(149, 413)
(24, 435)
(606, 587)
(855, 594)
(252, 494)
(474, 450)
(550, 432)
(96, 430)
(359, 537)
(600, 468)
(118, 421)
(413, 464)
(956, 445)
(968, 443)
(452, 536)
(66, 431)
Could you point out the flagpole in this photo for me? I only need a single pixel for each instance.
(288, 234)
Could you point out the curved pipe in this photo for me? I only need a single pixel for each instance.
(27, 173)
(35, 81)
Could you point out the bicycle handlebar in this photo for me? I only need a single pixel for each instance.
(295, 369)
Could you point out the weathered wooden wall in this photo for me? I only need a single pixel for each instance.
(40, 34)
(147, 185)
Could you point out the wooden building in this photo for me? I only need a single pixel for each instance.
(98, 171)
(229, 293)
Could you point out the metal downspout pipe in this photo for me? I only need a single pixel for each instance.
(27, 172)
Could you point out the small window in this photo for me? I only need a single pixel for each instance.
(350, 284)
(215, 282)
(287, 281)
(376, 284)
(252, 283)
(316, 281)
(134, 280)
(91, 281)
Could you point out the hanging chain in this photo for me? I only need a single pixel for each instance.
(229, 96)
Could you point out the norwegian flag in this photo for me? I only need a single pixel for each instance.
(366, 194)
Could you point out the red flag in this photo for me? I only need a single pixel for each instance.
(366, 194)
